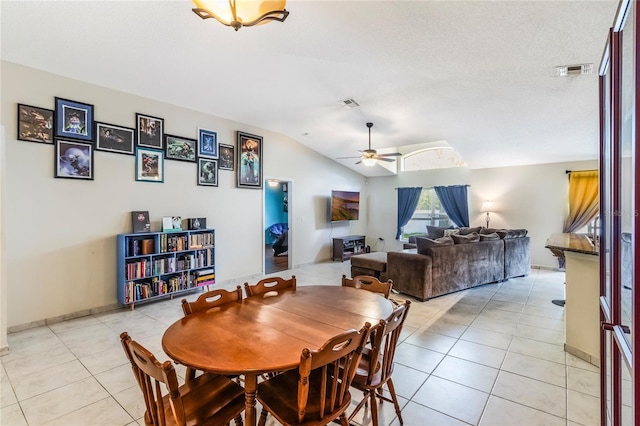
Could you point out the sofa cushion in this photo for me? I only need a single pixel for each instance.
(466, 239)
(467, 231)
(426, 243)
(376, 261)
(489, 237)
(435, 232)
(511, 233)
(489, 230)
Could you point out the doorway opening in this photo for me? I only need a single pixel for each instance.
(276, 221)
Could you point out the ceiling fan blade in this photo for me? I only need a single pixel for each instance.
(391, 154)
(359, 162)
(344, 158)
(385, 159)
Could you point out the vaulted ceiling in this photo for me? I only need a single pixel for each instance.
(479, 75)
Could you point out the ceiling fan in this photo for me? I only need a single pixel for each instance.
(369, 157)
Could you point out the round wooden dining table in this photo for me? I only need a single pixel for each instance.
(263, 334)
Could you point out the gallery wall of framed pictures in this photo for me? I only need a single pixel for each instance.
(72, 128)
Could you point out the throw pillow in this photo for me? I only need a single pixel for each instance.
(435, 232)
(489, 230)
(467, 231)
(466, 239)
(512, 233)
(426, 243)
(449, 232)
(489, 237)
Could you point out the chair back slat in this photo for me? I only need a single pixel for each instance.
(211, 299)
(271, 286)
(335, 363)
(369, 283)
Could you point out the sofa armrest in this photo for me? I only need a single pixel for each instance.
(411, 273)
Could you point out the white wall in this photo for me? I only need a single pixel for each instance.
(60, 233)
(532, 197)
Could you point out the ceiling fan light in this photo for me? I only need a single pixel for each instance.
(242, 13)
(369, 162)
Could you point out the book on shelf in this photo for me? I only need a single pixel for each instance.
(171, 223)
(195, 223)
(148, 246)
(200, 272)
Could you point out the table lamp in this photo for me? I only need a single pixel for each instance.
(487, 206)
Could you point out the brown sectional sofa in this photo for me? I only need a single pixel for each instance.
(445, 269)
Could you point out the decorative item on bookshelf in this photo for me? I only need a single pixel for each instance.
(140, 222)
(197, 223)
(171, 223)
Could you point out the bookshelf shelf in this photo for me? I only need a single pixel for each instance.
(159, 264)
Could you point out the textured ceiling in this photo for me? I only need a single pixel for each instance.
(476, 74)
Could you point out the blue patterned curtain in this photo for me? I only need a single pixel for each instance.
(407, 201)
(454, 202)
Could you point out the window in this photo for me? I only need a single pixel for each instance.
(429, 211)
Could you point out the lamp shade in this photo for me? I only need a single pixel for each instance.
(241, 13)
(487, 206)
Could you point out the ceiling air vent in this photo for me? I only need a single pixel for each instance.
(349, 103)
(572, 70)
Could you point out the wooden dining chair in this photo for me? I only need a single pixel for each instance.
(209, 300)
(208, 399)
(318, 391)
(270, 286)
(370, 283)
(376, 365)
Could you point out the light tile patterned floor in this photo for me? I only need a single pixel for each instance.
(491, 355)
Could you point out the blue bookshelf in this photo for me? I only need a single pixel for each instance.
(156, 265)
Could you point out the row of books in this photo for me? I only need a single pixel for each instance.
(173, 243)
(134, 291)
(159, 266)
(201, 240)
(140, 247)
(205, 277)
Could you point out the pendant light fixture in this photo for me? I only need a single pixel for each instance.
(241, 13)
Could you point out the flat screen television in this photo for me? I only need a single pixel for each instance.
(345, 205)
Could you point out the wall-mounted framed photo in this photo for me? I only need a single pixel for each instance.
(35, 124)
(249, 160)
(149, 165)
(114, 138)
(74, 120)
(207, 143)
(150, 131)
(73, 160)
(225, 160)
(179, 148)
(207, 172)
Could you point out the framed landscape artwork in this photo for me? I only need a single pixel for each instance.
(225, 160)
(249, 160)
(178, 148)
(35, 124)
(207, 172)
(73, 160)
(149, 165)
(74, 120)
(113, 138)
(207, 143)
(150, 131)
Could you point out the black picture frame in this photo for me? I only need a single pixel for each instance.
(140, 222)
(226, 157)
(74, 120)
(180, 149)
(207, 172)
(207, 143)
(73, 160)
(249, 160)
(117, 139)
(35, 124)
(149, 131)
(149, 165)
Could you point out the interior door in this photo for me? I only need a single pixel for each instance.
(619, 209)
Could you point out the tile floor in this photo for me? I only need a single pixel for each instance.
(491, 355)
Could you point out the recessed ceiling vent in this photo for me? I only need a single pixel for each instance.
(573, 70)
(349, 103)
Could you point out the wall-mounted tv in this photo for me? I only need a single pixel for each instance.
(345, 205)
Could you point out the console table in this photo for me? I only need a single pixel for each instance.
(345, 247)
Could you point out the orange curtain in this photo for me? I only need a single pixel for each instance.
(583, 199)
